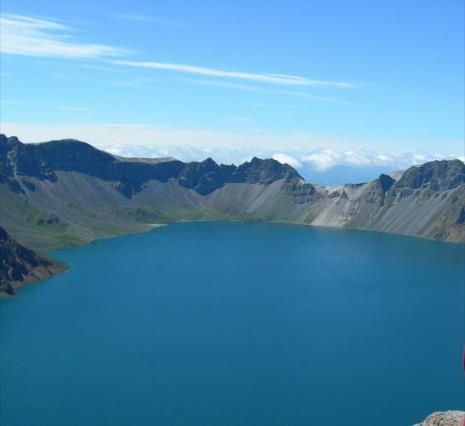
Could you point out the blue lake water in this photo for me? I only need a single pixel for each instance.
(212, 324)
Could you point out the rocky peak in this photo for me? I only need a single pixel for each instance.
(6, 141)
(434, 175)
(385, 182)
(265, 171)
(204, 177)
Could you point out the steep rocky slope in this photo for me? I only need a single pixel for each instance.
(64, 193)
(427, 201)
(20, 265)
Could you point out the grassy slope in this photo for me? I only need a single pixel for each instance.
(36, 228)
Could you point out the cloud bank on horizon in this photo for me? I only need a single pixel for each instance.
(315, 102)
(320, 165)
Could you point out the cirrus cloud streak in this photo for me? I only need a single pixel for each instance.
(27, 36)
(281, 79)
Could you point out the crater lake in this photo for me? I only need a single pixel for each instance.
(207, 324)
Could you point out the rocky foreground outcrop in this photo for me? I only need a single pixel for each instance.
(445, 418)
(20, 265)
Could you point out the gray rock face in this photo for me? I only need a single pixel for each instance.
(436, 175)
(446, 418)
(427, 201)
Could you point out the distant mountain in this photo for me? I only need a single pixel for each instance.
(65, 193)
(20, 265)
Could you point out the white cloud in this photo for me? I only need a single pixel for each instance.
(418, 158)
(319, 160)
(384, 158)
(30, 36)
(322, 160)
(23, 35)
(149, 19)
(287, 159)
(325, 159)
(255, 89)
(103, 68)
(266, 105)
(281, 79)
(358, 158)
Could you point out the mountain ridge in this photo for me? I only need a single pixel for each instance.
(42, 160)
(64, 193)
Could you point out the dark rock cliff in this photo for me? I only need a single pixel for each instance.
(19, 264)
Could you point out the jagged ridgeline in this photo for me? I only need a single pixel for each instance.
(65, 193)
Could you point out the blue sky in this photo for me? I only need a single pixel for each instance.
(317, 83)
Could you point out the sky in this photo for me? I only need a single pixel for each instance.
(338, 89)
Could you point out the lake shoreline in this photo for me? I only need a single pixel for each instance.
(152, 226)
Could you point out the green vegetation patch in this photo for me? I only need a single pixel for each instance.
(142, 215)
